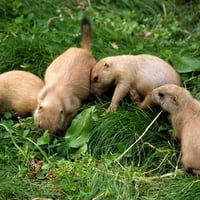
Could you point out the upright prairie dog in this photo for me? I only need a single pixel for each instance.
(18, 92)
(185, 117)
(137, 75)
(67, 83)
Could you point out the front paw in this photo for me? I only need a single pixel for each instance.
(111, 108)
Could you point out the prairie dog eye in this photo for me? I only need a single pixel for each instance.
(160, 94)
(95, 79)
(106, 65)
(40, 108)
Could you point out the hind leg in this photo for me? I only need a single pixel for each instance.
(194, 171)
(191, 170)
(147, 102)
(190, 160)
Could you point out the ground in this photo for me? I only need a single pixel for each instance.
(85, 163)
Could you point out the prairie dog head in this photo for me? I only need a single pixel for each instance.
(170, 97)
(102, 77)
(53, 112)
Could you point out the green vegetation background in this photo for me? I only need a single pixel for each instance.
(82, 164)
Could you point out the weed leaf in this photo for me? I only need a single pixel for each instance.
(78, 134)
(184, 64)
(44, 139)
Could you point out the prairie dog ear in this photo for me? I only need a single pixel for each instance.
(42, 94)
(106, 66)
(71, 104)
(175, 100)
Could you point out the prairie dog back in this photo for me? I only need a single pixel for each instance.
(75, 65)
(155, 71)
(67, 84)
(18, 92)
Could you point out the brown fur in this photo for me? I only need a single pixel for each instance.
(67, 83)
(18, 92)
(185, 117)
(137, 75)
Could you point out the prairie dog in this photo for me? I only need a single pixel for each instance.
(67, 83)
(18, 92)
(137, 75)
(184, 112)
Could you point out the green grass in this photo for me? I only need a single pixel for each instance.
(35, 165)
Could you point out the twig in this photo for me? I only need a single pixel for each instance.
(157, 166)
(168, 175)
(98, 196)
(164, 10)
(89, 2)
(148, 127)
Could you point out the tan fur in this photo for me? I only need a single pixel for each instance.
(67, 84)
(185, 117)
(137, 75)
(18, 92)
(86, 34)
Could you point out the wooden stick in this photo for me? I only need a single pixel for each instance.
(148, 127)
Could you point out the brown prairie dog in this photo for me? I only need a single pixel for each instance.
(67, 84)
(18, 92)
(185, 117)
(137, 75)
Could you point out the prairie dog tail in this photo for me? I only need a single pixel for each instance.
(86, 34)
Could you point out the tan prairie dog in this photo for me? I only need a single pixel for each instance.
(136, 75)
(185, 117)
(18, 92)
(67, 84)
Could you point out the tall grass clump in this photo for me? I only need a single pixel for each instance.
(113, 133)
